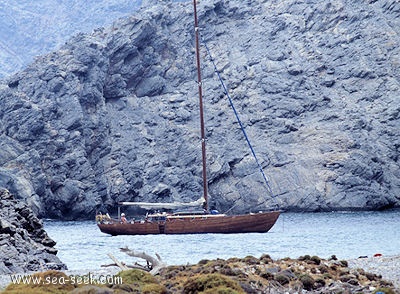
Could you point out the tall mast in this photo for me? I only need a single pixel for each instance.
(203, 136)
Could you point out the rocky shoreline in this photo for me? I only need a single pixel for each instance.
(386, 266)
(307, 274)
(24, 244)
(27, 249)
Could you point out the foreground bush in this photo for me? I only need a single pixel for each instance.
(211, 283)
(46, 284)
(233, 276)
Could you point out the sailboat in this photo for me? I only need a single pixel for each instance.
(188, 221)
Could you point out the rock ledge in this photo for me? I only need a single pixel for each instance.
(24, 244)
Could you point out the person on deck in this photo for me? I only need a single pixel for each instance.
(123, 218)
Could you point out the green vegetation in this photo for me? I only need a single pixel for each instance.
(47, 284)
(232, 276)
(138, 281)
(211, 283)
(307, 281)
(384, 290)
(282, 279)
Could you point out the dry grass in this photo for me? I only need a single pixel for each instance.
(235, 276)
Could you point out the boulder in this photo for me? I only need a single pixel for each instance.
(24, 244)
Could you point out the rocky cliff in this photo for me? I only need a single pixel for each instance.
(24, 245)
(31, 28)
(113, 115)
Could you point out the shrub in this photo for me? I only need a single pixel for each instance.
(251, 260)
(56, 287)
(265, 258)
(153, 289)
(344, 263)
(140, 281)
(307, 281)
(323, 269)
(122, 288)
(282, 279)
(203, 262)
(267, 275)
(315, 259)
(211, 283)
(320, 282)
(327, 276)
(228, 271)
(333, 257)
(305, 257)
(135, 276)
(91, 289)
(221, 290)
(371, 276)
(233, 260)
(384, 290)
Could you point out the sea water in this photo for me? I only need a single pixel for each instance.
(81, 245)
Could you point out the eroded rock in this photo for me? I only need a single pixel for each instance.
(24, 244)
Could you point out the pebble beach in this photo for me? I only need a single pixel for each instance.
(386, 266)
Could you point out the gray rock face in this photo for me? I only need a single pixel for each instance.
(113, 116)
(24, 245)
(32, 28)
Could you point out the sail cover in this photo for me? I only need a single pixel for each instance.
(167, 205)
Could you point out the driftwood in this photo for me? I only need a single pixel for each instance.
(118, 263)
(153, 265)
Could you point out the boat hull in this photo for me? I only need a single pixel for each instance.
(249, 223)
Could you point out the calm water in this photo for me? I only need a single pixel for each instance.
(82, 246)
